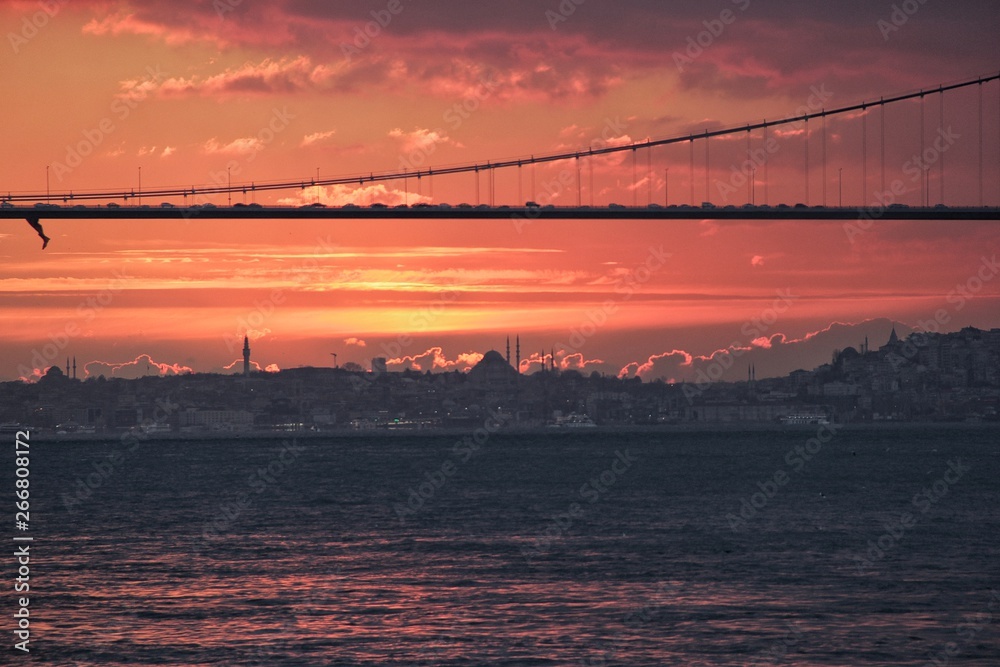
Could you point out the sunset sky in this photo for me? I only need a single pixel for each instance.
(197, 92)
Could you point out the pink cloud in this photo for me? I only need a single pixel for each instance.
(237, 365)
(343, 195)
(773, 355)
(283, 76)
(422, 139)
(241, 146)
(317, 138)
(141, 366)
(434, 358)
(576, 361)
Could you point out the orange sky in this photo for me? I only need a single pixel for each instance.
(267, 91)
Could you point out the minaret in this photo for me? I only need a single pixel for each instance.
(246, 356)
(67, 368)
(74, 368)
(508, 350)
(519, 354)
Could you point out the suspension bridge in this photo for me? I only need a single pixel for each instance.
(722, 173)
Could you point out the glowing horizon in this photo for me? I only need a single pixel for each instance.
(187, 94)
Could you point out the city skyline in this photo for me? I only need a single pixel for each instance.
(678, 366)
(213, 94)
(918, 377)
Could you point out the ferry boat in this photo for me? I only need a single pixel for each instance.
(805, 419)
(573, 420)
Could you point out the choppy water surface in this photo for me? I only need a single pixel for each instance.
(552, 549)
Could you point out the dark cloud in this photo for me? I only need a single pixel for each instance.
(780, 45)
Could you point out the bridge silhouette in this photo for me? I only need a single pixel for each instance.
(882, 202)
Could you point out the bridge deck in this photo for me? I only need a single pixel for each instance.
(499, 213)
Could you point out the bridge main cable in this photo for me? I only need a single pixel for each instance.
(373, 177)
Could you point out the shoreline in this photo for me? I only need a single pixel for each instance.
(459, 432)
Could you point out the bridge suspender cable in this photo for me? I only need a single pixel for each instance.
(941, 158)
(980, 144)
(534, 160)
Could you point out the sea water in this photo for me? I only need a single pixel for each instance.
(813, 546)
